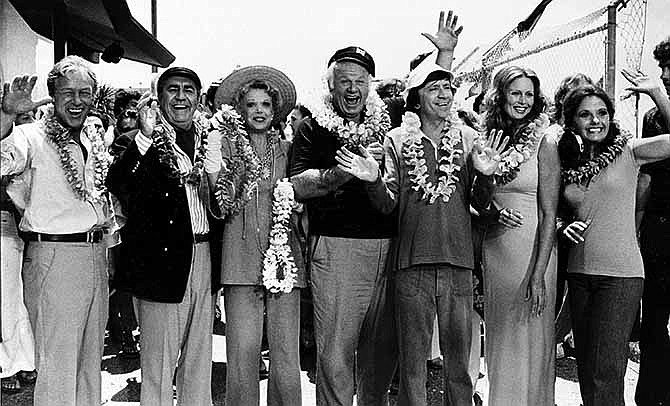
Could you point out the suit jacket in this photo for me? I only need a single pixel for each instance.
(157, 240)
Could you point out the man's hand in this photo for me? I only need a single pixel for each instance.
(487, 157)
(641, 84)
(447, 34)
(364, 167)
(17, 98)
(148, 115)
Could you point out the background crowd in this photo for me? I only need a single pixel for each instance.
(369, 226)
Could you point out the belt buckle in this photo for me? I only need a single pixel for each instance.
(39, 237)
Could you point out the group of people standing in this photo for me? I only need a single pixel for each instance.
(208, 201)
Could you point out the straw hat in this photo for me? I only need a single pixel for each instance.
(229, 87)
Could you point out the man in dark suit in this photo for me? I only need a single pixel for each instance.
(166, 241)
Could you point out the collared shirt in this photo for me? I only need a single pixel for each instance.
(196, 206)
(50, 203)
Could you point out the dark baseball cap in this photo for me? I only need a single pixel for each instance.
(178, 71)
(356, 55)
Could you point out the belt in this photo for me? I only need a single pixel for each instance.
(198, 238)
(91, 236)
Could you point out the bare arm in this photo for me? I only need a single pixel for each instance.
(641, 83)
(549, 181)
(649, 150)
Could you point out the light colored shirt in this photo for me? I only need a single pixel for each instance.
(196, 206)
(51, 205)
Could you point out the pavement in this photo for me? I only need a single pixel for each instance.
(121, 382)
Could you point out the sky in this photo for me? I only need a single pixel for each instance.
(299, 36)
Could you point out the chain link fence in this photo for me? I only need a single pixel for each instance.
(580, 46)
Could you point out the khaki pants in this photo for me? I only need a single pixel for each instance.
(178, 336)
(66, 294)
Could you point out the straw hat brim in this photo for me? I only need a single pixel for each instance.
(229, 87)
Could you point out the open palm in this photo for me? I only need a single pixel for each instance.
(486, 157)
(17, 97)
(363, 167)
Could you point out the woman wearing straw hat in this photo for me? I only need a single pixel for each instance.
(245, 160)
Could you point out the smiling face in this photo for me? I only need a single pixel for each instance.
(256, 108)
(519, 98)
(592, 119)
(665, 74)
(73, 97)
(351, 85)
(435, 100)
(178, 100)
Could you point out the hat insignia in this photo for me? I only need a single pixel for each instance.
(360, 51)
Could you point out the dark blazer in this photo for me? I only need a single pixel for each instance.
(157, 240)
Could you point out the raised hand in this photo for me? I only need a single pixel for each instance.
(364, 167)
(487, 157)
(148, 115)
(446, 37)
(641, 83)
(17, 98)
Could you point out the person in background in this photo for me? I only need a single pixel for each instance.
(519, 254)
(166, 252)
(65, 218)
(125, 110)
(599, 171)
(654, 189)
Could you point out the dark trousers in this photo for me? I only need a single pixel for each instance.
(603, 312)
(652, 384)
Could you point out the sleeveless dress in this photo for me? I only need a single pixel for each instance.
(519, 347)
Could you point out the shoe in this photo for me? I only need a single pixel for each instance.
(10, 385)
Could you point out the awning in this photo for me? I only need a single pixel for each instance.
(94, 24)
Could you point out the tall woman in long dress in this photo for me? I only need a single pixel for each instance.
(518, 250)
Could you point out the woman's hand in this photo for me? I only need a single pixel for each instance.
(575, 231)
(641, 83)
(510, 218)
(487, 157)
(364, 167)
(536, 293)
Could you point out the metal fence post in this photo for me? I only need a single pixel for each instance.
(610, 73)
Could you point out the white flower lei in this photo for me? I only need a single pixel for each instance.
(59, 137)
(373, 128)
(279, 269)
(412, 151)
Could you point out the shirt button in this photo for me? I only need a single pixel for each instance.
(165, 249)
(167, 194)
(171, 222)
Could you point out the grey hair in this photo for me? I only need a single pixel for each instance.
(330, 74)
(68, 64)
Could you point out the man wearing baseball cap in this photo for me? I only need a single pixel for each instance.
(349, 238)
(166, 241)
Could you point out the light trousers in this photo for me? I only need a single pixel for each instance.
(176, 338)
(66, 294)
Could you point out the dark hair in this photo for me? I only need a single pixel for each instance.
(568, 83)
(304, 111)
(662, 50)
(261, 85)
(103, 117)
(495, 116)
(413, 101)
(417, 60)
(123, 98)
(569, 150)
(477, 103)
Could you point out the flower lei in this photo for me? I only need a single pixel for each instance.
(243, 163)
(586, 171)
(279, 269)
(60, 137)
(374, 127)
(520, 152)
(163, 140)
(412, 151)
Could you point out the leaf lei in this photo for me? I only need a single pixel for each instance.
(374, 127)
(244, 163)
(164, 139)
(279, 269)
(588, 170)
(447, 169)
(59, 137)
